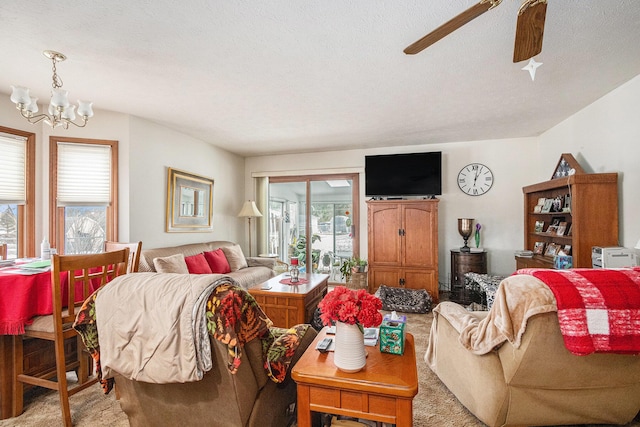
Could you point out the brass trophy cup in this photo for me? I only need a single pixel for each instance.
(465, 226)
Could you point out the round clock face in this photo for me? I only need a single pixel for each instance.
(475, 179)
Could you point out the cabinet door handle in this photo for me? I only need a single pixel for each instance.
(402, 283)
(400, 231)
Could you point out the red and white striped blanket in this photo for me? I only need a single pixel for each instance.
(598, 309)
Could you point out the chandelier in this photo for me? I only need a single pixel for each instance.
(61, 113)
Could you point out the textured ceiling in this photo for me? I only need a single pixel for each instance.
(289, 76)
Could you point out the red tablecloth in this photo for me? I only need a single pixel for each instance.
(24, 296)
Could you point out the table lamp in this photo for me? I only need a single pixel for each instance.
(249, 210)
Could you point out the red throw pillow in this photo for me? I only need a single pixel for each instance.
(218, 261)
(197, 264)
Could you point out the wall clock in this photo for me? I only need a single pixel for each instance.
(475, 179)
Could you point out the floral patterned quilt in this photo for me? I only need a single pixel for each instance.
(233, 317)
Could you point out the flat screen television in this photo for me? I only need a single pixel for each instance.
(397, 175)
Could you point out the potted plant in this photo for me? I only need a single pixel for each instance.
(346, 269)
(360, 264)
(352, 265)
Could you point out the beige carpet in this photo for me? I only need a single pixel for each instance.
(434, 406)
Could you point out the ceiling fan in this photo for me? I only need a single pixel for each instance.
(529, 29)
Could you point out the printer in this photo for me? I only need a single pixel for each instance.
(613, 257)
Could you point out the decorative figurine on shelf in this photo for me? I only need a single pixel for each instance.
(465, 228)
(477, 234)
(294, 271)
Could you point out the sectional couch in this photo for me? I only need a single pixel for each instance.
(246, 271)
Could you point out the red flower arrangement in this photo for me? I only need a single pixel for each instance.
(352, 307)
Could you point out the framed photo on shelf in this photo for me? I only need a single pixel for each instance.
(562, 227)
(552, 229)
(566, 249)
(569, 231)
(567, 203)
(539, 227)
(548, 204)
(538, 248)
(551, 250)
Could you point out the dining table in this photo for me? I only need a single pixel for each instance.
(24, 294)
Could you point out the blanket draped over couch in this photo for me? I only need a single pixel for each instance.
(159, 326)
(598, 309)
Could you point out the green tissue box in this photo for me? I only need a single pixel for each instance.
(392, 334)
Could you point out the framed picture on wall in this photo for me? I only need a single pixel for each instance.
(189, 202)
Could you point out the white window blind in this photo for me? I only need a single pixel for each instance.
(13, 168)
(84, 174)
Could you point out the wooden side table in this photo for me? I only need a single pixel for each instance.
(382, 391)
(461, 263)
(289, 305)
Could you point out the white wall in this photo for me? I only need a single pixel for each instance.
(604, 137)
(154, 148)
(499, 211)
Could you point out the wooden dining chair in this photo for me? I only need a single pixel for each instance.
(3, 251)
(134, 253)
(73, 279)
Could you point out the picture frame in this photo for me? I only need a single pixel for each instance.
(567, 203)
(539, 227)
(567, 249)
(551, 249)
(189, 202)
(562, 227)
(548, 204)
(538, 248)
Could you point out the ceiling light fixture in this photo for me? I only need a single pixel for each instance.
(61, 113)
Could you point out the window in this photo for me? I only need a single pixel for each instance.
(17, 192)
(83, 194)
(320, 206)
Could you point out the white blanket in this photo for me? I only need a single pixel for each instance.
(148, 330)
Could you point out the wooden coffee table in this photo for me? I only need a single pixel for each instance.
(289, 305)
(382, 391)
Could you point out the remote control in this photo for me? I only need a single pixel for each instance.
(324, 345)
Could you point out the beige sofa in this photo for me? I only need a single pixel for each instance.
(257, 271)
(509, 366)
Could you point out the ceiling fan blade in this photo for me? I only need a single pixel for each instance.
(529, 30)
(450, 26)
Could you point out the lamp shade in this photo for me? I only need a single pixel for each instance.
(249, 209)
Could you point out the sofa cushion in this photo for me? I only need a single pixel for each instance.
(235, 257)
(171, 264)
(197, 264)
(217, 261)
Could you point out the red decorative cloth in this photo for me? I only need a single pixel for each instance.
(289, 282)
(598, 309)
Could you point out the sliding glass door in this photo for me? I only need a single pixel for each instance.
(314, 218)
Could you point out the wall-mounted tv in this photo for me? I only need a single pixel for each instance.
(397, 175)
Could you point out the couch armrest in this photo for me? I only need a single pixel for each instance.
(261, 262)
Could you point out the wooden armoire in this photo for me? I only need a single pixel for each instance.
(403, 244)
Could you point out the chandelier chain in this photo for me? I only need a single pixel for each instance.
(57, 81)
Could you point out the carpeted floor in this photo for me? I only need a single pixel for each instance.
(434, 406)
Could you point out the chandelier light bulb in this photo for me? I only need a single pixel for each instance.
(84, 109)
(20, 95)
(33, 106)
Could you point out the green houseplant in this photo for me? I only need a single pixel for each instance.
(352, 265)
